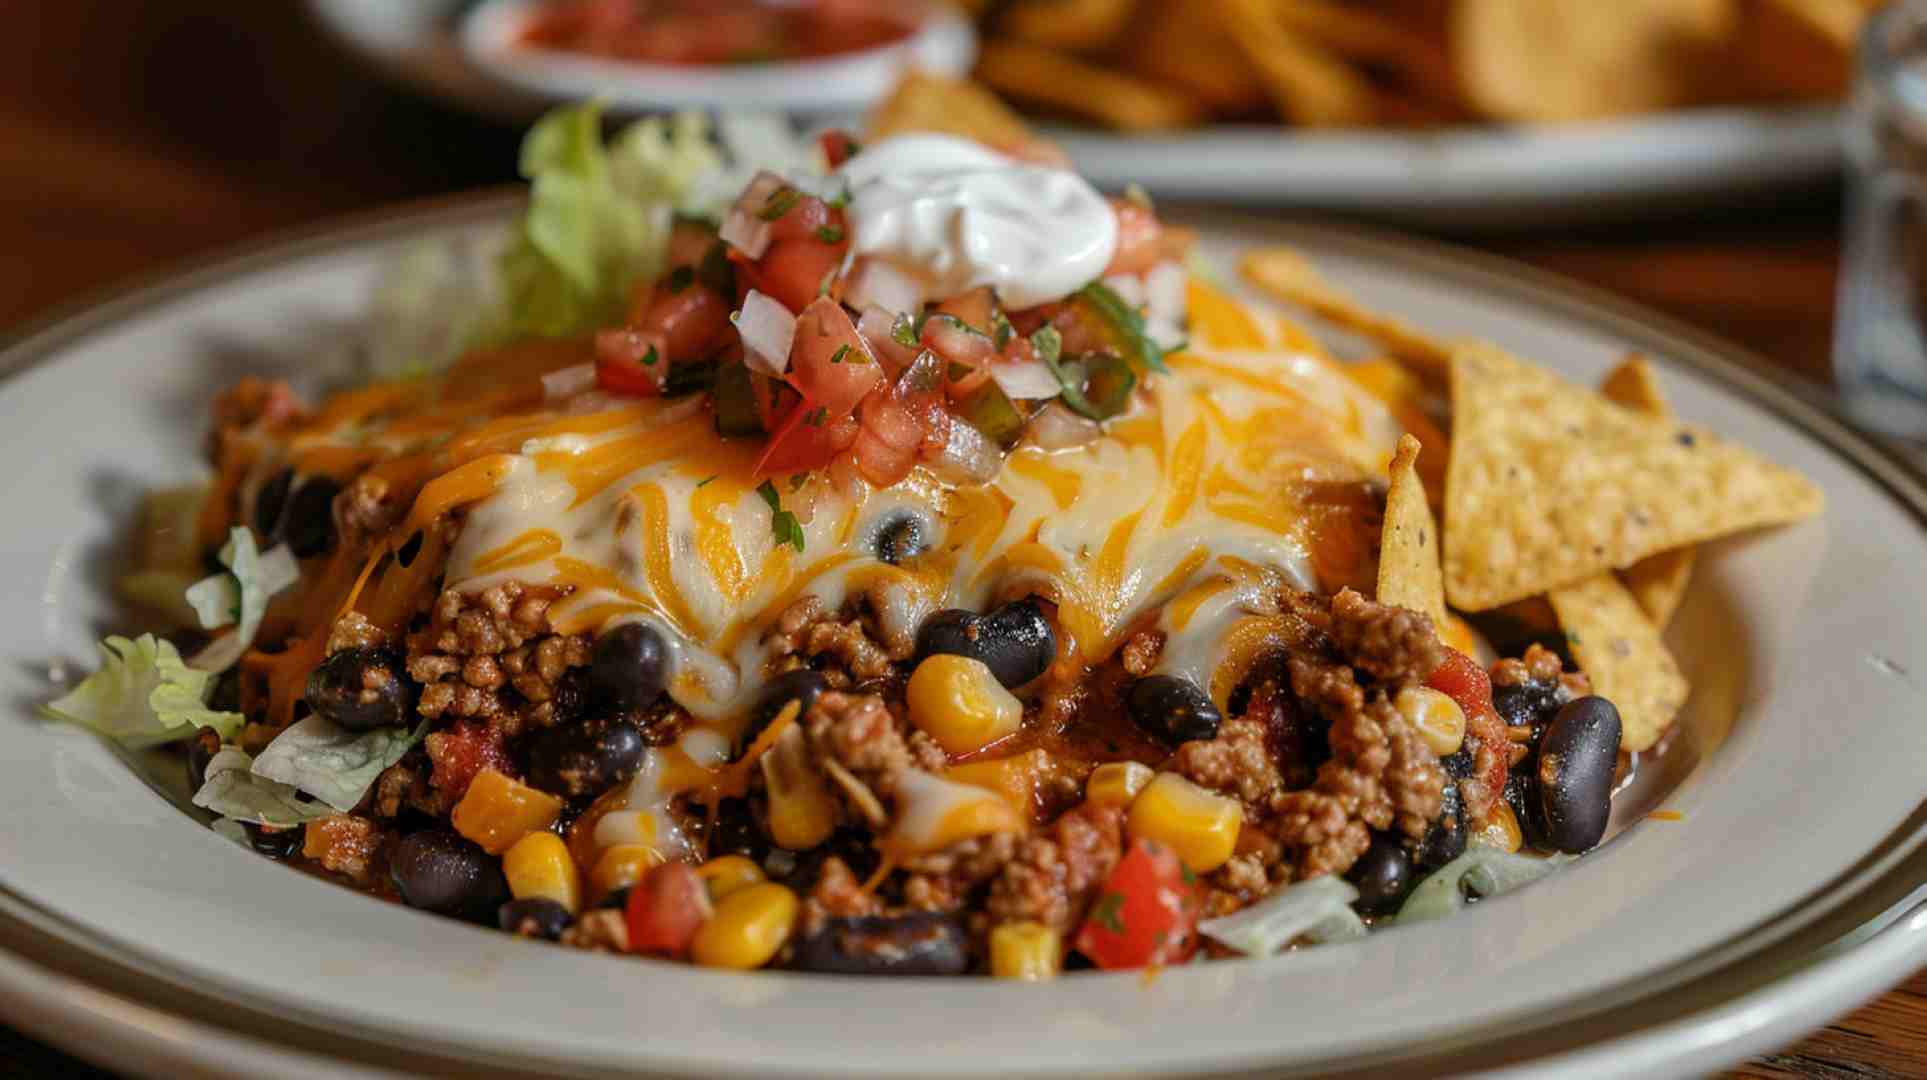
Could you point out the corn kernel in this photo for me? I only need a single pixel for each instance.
(1029, 951)
(1200, 826)
(1500, 830)
(1435, 716)
(539, 866)
(1016, 777)
(620, 867)
(725, 874)
(1116, 783)
(958, 702)
(498, 810)
(802, 812)
(749, 926)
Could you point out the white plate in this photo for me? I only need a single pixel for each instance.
(944, 43)
(1802, 746)
(1459, 178)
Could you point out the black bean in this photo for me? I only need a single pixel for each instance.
(1459, 765)
(310, 524)
(618, 899)
(736, 832)
(1383, 876)
(362, 689)
(1015, 641)
(1577, 758)
(1173, 709)
(901, 538)
(440, 871)
(801, 685)
(918, 943)
(200, 750)
(585, 758)
(270, 501)
(272, 842)
(1527, 703)
(629, 667)
(537, 917)
(1444, 839)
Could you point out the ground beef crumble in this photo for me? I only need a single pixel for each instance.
(1054, 872)
(805, 630)
(345, 844)
(492, 656)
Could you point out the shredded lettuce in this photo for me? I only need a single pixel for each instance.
(143, 695)
(1319, 909)
(239, 597)
(1486, 872)
(331, 763)
(426, 308)
(232, 790)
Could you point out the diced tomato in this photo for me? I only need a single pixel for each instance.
(1146, 912)
(809, 437)
(665, 909)
(630, 362)
(795, 271)
(464, 749)
(1465, 682)
(830, 363)
(902, 421)
(1140, 238)
(690, 322)
(838, 146)
(689, 241)
(976, 309)
(807, 218)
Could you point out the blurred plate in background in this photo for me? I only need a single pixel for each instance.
(1459, 178)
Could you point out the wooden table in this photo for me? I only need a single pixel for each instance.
(137, 134)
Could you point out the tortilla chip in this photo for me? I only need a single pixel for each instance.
(1059, 81)
(1553, 60)
(1363, 36)
(1619, 649)
(1657, 581)
(1408, 553)
(1403, 394)
(1550, 484)
(1181, 43)
(1289, 276)
(948, 107)
(1309, 85)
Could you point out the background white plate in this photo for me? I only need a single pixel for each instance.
(1460, 178)
(1807, 645)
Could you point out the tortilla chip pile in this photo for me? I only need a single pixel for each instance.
(1556, 497)
(1148, 65)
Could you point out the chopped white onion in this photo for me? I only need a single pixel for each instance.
(743, 227)
(969, 457)
(1056, 427)
(1025, 380)
(568, 382)
(768, 330)
(877, 325)
(1164, 300)
(876, 281)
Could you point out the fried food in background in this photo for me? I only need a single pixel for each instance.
(1152, 65)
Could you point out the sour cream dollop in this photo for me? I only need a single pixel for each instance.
(952, 215)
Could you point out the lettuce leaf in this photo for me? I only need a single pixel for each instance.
(232, 790)
(143, 695)
(240, 596)
(331, 763)
(1486, 872)
(1319, 909)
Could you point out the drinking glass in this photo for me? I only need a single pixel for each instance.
(1880, 336)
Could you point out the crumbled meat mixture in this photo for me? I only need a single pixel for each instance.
(1236, 883)
(837, 895)
(346, 845)
(353, 631)
(1051, 877)
(366, 508)
(599, 930)
(1238, 762)
(492, 656)
(406, 785)
(271, 403)
(805, 630)
(1541, 665)
(858, 732)
(1390, 644)
(941, 881)
(1141, 651)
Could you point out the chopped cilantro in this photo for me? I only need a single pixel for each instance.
(830, 234)
(782, 524)
(649, 358)
(1127, 321)
(1189, 876)
(681, 278)
(797, 480)
(1109, 912)
(959, 372)
(841, 354)
(1000, 329)
(904, 332)
(816, 417)
(780, 202)
(704, 482)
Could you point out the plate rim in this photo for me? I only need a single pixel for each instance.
(1736, 369)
